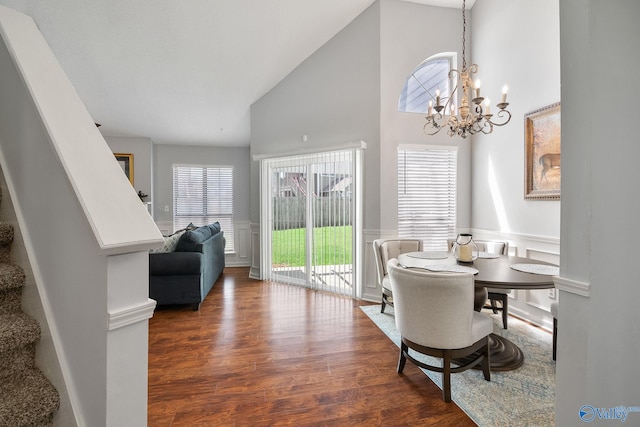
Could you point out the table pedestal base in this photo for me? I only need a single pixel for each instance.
(505, 355)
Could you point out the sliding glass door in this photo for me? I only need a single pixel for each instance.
(310, 220)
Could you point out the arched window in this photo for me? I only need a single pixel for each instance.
(422, 83)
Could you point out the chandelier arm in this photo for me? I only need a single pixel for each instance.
(500, 114)
(435, 126)
(488, 128)
(452, 96)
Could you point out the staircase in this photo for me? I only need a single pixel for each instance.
(27, 398)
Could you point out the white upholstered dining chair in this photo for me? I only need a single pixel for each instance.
(498, 298)
(384, 250)
(434, 315)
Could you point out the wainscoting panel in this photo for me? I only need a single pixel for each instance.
(529, 305)
(254, 272)
(370, 289)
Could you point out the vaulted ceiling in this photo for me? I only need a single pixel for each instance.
(185, 72)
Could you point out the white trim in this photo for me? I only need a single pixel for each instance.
(130, 315)
(573, 286)
(315, 150)
(254, 271)
(516, 236)
(422, 147)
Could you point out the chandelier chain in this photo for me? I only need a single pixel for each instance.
(464, 30)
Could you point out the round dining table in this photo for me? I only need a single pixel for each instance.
(494, 271)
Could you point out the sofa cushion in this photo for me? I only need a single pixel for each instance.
(170, 243)
(189, 241)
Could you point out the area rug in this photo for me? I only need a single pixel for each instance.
(522, 397)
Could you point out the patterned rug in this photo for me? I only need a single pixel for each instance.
(522, 397)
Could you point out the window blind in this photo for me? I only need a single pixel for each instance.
(203, 195)
(427, 194)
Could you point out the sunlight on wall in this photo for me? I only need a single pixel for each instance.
(497, 199)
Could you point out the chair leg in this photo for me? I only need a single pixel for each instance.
(505, 310)
(494, 306)
(486, 362)
(402, 360)
(446, 376)
(386, 300)
(555, 337)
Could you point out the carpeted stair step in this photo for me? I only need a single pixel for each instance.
(16, 361)
(28, 401)
(12, 279)
(6, 237)
(18, 333)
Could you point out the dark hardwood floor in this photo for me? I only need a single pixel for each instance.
(265, 354)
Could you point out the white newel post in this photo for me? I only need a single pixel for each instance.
(129, 310)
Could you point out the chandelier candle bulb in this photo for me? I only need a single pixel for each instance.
(438, 97)
(505, 88)
(487, 104)
(477, 88)
(430, 108)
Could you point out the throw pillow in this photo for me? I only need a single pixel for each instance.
(170, 243)
(215, 228)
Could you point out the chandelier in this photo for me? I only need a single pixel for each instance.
(468, 118)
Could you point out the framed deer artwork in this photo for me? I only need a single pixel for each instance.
(542, 153)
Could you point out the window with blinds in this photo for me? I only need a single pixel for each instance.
(427, 194)
(203, 195)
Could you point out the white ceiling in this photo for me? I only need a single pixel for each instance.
(185, 72)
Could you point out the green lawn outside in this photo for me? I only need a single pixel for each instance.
(332, 246)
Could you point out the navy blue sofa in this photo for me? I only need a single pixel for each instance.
(185, 270)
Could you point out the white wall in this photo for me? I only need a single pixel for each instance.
(524, 54)
(598, 336)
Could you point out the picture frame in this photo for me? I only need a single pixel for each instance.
(542, 153)
(125, 160)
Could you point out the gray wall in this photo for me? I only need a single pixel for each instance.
(334, 98)
(411, 33)
(599, 317)
(165, 156)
